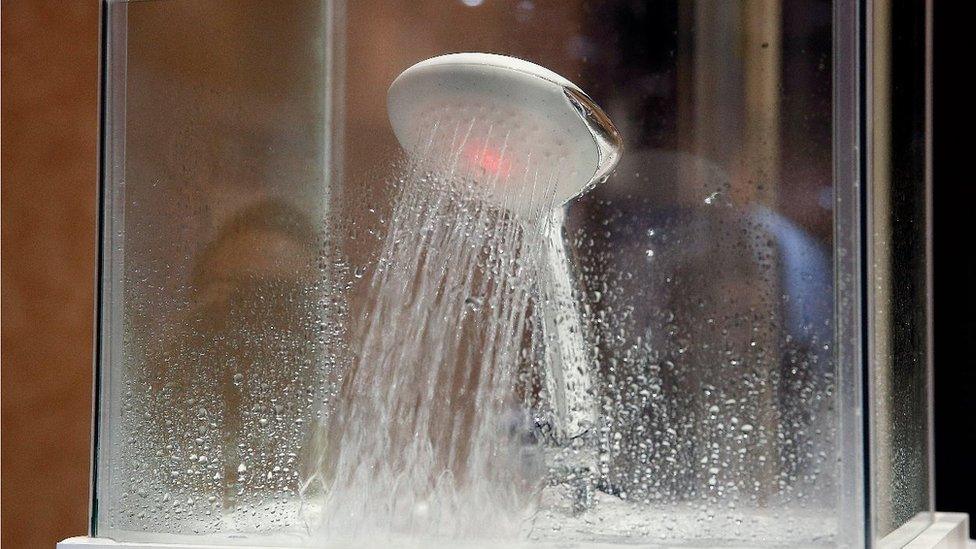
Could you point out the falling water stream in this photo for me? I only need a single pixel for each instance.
(433, 435)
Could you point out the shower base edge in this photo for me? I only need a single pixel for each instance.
(948, 531)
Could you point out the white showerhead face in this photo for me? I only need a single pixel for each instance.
(532, 137)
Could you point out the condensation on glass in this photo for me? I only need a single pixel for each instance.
(217, 320)
(756, 288)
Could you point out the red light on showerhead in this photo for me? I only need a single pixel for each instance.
(487, 159)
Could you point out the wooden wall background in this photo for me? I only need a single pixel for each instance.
(49, 127)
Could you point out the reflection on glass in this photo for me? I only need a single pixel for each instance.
(221, 297)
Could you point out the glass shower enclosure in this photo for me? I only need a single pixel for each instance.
(749, 288)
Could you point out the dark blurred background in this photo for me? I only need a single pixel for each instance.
(954, 274)
(50, 114)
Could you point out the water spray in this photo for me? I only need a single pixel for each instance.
(535, 141)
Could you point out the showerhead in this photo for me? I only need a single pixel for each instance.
(507, 123)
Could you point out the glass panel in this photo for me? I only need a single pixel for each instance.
(704, 264)
(311, 332)
(214, 344)
(900, 276)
